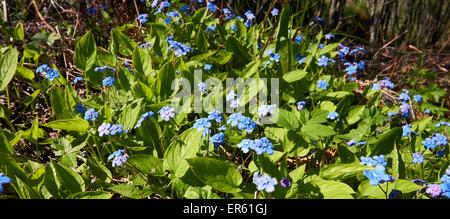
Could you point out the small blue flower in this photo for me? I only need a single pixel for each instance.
(234, 28)
(80, 109)
(377, 176)
(300, 58)
(323, 61)
(168, 20)
(233, 119)
(4, 180)
(406, 130)
(427, 111)
(217, 139)
(298, 39)
(104, 129)
(184, 8)
(285, 183)
(321, 46)
(144, 117)
(352, 68)
(322, 84)
(52, 74)
(418, 158)
(439, 139)
(210, 29)
(264, 182)
(211, 7)
(404, 109)
(166, 113)
(208, 67)
(429, 144)
(246, 124)
(173, 14)
(368, 161)
(116, 129)
(109, 81)
(119, 160)
(77, 79)
(266, 110)
(404, 96)
(275, 12)
(202, 87)
(263, 145)
(351, 142)
(201, 124)
(332, 116)
(329, 36)
(246, 145)
(90, 115)
(375, 86)
(42, 68)
(301, 105)
(216, 116)
(142, 18)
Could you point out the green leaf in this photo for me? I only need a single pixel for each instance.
(85, 52)
(342, 171)
(285, 119)
(79, 125)
(64, 181)
(318, 116)
(355, 114)
(146, 163)
(120, 43)
(131, 191)
(384, 144)
(295, 75)
(18, 32)
(216, 173)
(334, 189)
(166, 75)
(142, 62)
(405, 186)
(91, 195)
(25, 73)
(313, 131)
(8, 64)
(130, 114)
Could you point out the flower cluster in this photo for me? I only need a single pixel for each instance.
(108, 129)
(179, 48)
(260, 146)
(51, 73)
(242, 122)
(118, 157)
(436, 140)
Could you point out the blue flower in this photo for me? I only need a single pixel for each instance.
(351, 142)
(321, 46)
(439, 139)
(246, 145)
(404, 109)
(42, 68)
(404, 96)
(298, 39)
(215, 115)
(234, 28)
(263, 145)
(439, 124)
(361, 143)
(119, 160)
(185, 8)
(264, 182)
(361, 65)
(285, 183)
(266, 110)
(332, 116)
(166, 113)
(201, 124)
(180, 49)
(211, 7)
(52, 74)
(301, 105)
(381, 160)
(246, 124)
(406, 130)
(217, 139)
(173, 14)
(77, 79)
(103, 68)
(274, 12)
(233, 119)
(142, 18)
(375, 86)
(116, 129)
(144, 117)
(4, 180)
(90, 115)
(168, 20)
(418, 158)
(377, 176)
(222, 128)
(210, 29)
(80, 109)
(300, 58)
(352, 68)
(109, 81)
(323, 61)
(427, 111)
(329, 36)
(368, 161)
(322, 84)
(202, 87)
(208, 67)
(104, 129)
(228, 13)
(429, 144)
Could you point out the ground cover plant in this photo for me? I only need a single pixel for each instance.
(191, 99)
